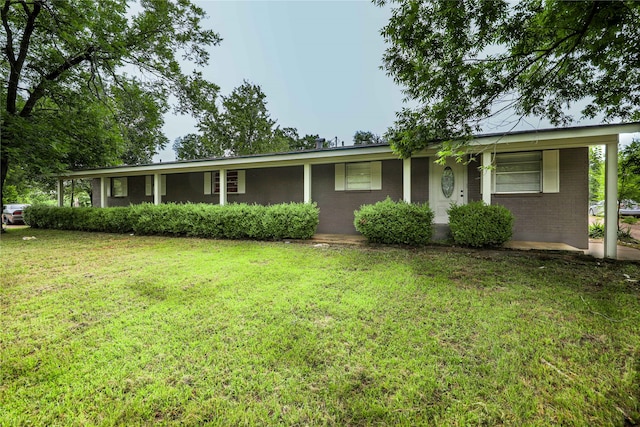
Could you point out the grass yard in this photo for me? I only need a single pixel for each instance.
(99, 329)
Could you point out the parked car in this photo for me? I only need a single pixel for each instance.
(597, 208)
(627, 208)
(12, 214)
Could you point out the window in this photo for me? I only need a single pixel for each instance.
(518, 172)
(119, 187)
(358, 176)
(148, 185)
(235, 182)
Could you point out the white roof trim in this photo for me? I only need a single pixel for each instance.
(542, 139)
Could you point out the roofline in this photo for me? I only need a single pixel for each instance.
(573, 136)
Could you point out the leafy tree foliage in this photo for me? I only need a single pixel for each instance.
(67, 101)
(596, 174)
(244, 126)
(629, 172)
(366, 138)
(466, 61)
(297, 143)
(241, 126)
(193, 146)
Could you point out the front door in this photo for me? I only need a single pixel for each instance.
(448, 184)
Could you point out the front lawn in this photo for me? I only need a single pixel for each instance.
(100, 329)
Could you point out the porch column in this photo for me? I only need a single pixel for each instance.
(611, 201)
(223, 187)
(157, 189)
(307, 183)
(406, 180)
(486, 177)
(60, 192)
(104, 191)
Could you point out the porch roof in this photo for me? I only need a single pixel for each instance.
(514, 141)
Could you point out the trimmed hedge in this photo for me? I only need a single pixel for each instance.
(234, 221)
(477, 224)
(395, 222)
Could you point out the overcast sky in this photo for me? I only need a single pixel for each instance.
(318, 62)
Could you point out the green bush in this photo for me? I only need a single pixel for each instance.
(477, 224)
(596, 230)
(234, 221)
(395, 222)
(110, 220)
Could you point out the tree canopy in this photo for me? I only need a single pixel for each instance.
(241, 125)
(88, 81)
(367, 137)
(467, 61)
(629, 172)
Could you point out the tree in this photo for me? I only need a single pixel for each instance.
(290, 138)
(366, 138)
(466, 61)
(67, 101)
(193, 146)
(596, 174)
(139, 116)
(241, 126)
(310, 142)
(629, 172)
(244, 125)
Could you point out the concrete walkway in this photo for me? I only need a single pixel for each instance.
(596, 247)
(625, 253)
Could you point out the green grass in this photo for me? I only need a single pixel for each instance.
(99, 329)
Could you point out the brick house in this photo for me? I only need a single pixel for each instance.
(541, 176)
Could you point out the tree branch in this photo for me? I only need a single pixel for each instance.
(16, 63)
(39, 90)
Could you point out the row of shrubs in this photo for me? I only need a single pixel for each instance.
(475, 224)
(389, 222)
(234, 221)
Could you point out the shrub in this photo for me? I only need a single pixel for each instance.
(596, 230)
(110, 220)
(235, 221)
(477, 224)
(294, 221)
(395, 222)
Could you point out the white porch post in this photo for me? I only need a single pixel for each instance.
(406, 180)
(223, 187)
(104, 183)
(307, 183)
(60, 192)
(157, 189)
(486, 177)
(611, 201)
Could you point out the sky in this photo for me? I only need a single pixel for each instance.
(318, 63)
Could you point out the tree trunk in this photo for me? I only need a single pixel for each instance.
(73, 182)
(4, 166)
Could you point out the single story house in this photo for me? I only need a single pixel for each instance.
(541, 176)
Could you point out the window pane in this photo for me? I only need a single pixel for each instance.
(358, 176)
(232, 182)
(119, 187)
(518, 167)
(518, 172)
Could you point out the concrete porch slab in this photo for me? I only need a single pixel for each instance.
(541, 246)
(625, 253)
(596, 247)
